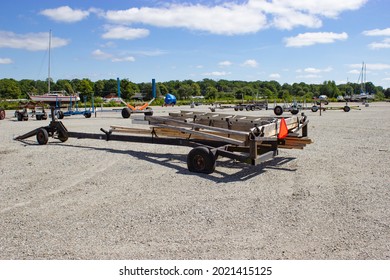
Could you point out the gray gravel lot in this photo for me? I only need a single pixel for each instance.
(93, 199)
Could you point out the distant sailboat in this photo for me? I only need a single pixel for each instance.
(364, 95)
(53, 97)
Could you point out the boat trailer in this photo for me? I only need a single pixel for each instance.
(55, 129)
(248, 139)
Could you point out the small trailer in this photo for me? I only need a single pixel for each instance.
(258, 105)
(248, 139)
(87, 112)
(144, 108)
(37, 111)
(55, 129)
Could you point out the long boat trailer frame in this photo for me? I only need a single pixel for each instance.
(248, 139)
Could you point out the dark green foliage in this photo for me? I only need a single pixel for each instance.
(184, 90)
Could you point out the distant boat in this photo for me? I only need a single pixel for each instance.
(364, 95)
(54, 98)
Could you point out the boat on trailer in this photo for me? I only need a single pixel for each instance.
(55, 97)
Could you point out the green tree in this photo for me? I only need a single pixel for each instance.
(9, 88)
(195, 89)
(211, 93)
(98, 88)
(85, 87)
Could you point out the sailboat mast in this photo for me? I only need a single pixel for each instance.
(48, 89)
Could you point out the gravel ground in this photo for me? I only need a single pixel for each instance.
(92, 199)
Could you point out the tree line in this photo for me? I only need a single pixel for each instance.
(184, 90)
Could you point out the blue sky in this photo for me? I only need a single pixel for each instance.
(284, 40)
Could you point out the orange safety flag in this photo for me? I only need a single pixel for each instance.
(283, 131)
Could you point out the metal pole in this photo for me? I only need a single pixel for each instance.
(118, 82)
(154, 88)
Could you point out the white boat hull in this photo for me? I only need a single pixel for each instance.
(55, 98)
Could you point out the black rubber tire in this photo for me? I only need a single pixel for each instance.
(60, 115)
(149, 112)
(63, 136)
(346, 109)
(201, 160)
(19, 116)
(2, 114)
(294, 111)
(38, 117)
(278, 110)
(126, 112)
(87, 115)
(42, 136)
(235, 109)
(314, 108)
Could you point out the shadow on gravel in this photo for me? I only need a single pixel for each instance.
(238, 171)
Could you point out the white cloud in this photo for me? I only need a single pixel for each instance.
(250, 63)
(5, 61)
(371, 66)
(226, 19)
(385, 44)
(316, 70)
(377, 32)
(354, 71)
(328, 8)
(312, 38)
(99, 54)
(123, 59)
(65, 14)
(225, 63)
(123, 32)
(274, 76)
(309, 76)
(216, 73)
(30, 41)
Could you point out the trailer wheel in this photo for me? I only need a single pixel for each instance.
(60, 115)
(278, 110)
(63, 136)
(201, 160)
(18, 116)
(314, 108)
(2, 114)
(346, 108)
(87, 115)
(294, 111)
(149, 112)
(42, 136)
(126, 113)
(235, 109)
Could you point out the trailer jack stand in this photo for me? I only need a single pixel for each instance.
(108, 133)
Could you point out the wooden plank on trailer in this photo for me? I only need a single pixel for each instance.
(207, 135)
